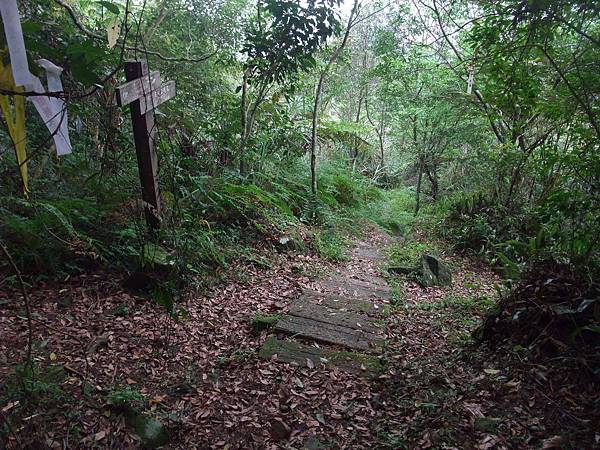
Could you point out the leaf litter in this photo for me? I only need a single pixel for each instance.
(201, 375)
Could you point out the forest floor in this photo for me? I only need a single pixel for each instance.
(97, 344)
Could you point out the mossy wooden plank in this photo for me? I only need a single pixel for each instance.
(294, 352)
(329, 333)
(309, 310)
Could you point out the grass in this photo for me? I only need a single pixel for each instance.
(408, 252)
(392, 210)
(330, 244)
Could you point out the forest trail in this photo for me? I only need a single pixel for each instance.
(216, 383)
(343, 310)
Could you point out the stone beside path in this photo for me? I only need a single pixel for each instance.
(337, 320)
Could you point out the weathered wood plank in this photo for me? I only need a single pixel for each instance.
(137, 88)
(356, 288)
(143, 135)
(372, 280)
(330, 334)
(368, 366)
(340, 302)
(309, 310)
(366, 281)
(368, 252)
(158, 96)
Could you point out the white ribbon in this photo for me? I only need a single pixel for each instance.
(59, 110)
(52, 110)
(471, 79)
(16, 44)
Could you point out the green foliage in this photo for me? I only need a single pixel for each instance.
(408, 252)
(393, 210)
(125, 398)
(41, 234)
(35, 385)
(287, 35)
(329, 244)
(262, 322)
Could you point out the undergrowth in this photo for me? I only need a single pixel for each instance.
(207, 221)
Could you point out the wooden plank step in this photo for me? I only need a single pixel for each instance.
(368, 252)
(309, 310)
(329, 334)
(363, 280)
(342, 303)
(355, 288)
(368, 366)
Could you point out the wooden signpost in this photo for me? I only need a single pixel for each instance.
(144, 92)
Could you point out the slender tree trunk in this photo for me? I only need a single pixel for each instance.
(28, 354)
(318, 91)
(313, 136)
(420, 163)
(378, 129)
(381, 135)
(433, 179)
(419, 182)
(244, 122)
(162, 14)
(354, 155)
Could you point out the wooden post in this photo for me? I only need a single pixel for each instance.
(143, 134)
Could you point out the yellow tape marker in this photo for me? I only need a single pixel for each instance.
(15, 120)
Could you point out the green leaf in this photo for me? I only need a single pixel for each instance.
(30, 27)
(112, 7)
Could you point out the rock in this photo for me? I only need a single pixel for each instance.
(289, 243)
(151, 431)
(280, 430)
(65, 302)
(154, 265)
(434, 272)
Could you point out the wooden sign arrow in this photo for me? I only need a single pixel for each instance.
(157, 97)
(135, 89)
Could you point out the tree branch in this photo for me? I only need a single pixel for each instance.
(97, 36)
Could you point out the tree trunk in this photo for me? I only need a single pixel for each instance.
(313, 137)
(433, 179)
(244, 123)
(354, 155)
(378, 128)
(419, 182)
(318, 91)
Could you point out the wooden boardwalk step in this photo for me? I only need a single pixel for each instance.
(368, 366)
(368, 252)
(343, 303)
(309, 310)
(355, 288)
(329, 333)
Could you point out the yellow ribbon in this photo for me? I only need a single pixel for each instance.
(15, 120)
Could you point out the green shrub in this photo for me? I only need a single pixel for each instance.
(391, 209)
(126, 397)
